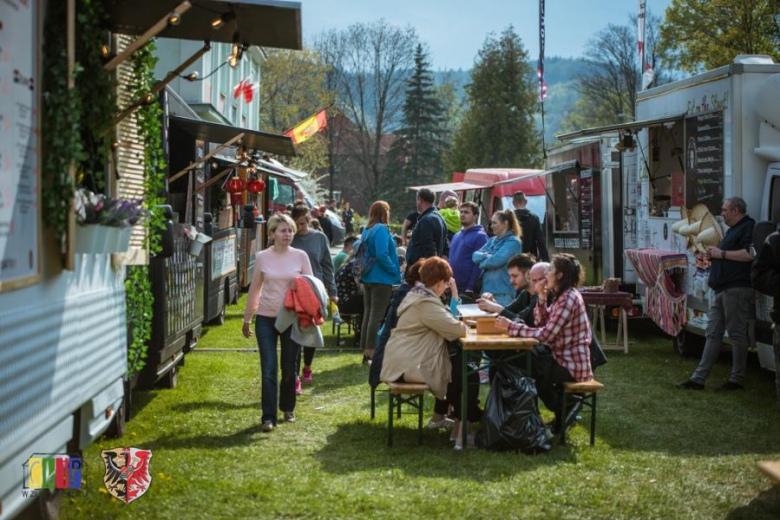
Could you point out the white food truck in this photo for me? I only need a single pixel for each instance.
(697, 141)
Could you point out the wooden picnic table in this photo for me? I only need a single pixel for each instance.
(474, 344)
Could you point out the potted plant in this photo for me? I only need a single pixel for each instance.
(105, 223)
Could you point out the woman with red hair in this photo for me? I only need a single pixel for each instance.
(379, 272)
(417, 350)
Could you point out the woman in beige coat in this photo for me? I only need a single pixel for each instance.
(417, 349)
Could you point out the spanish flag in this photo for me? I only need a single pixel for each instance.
(308, 127)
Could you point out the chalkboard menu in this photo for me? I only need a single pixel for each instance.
(704, 160)
(19, 144)
(586, 209)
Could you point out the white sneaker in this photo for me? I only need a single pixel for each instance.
(268, 426)
(444, 424)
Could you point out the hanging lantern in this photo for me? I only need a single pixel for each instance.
(255, 186)
(235, 187)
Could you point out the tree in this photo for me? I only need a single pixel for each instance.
(701, 35)
(497, 129)
(374, 60)
(330, 49)
(292, 88)
(415, 156)
(608, 89)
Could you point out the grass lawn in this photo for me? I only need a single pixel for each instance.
(660, 452)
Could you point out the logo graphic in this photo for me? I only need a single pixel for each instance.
(127, 472)
(51, 471)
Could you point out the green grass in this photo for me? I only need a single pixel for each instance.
(229, 336)
(660, 452)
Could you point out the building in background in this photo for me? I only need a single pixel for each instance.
(212, 97)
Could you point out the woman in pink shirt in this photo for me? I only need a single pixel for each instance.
(275, 270)
(564, 326)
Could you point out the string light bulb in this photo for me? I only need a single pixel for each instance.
(233, 59)
(148, 98)
(104, 50)
(217, 23)
(114, 144)
(192, 76)
(174, 19)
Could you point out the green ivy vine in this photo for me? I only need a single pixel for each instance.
(139, 295)
(150, 130)
(60, 122)
(139, 300)
(75, 122)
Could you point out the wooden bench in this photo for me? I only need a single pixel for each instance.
(405, 393)
(350, 320)
(582, 392)
(770, 468)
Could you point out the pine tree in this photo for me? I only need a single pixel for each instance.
(497, 129)
(416, 155)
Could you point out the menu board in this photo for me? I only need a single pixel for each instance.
(223, 256)
(19, 144)
(586, 209)
(704, 160)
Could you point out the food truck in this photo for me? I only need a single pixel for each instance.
(700, 140)
(492, 189)
(590, 210)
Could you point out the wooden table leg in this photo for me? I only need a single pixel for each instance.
(625, 330)
(464, 398)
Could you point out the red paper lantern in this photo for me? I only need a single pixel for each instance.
(255, 186)
(235, 185)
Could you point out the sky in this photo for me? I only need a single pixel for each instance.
(454, 30)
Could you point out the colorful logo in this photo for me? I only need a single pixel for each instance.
(51, 471)
(127, 472)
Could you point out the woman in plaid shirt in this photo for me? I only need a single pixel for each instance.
(563, 326)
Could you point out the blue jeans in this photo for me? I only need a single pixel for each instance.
(267, 336)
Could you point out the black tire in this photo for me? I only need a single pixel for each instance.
(171, 379)
(220, 319)
(688, 344)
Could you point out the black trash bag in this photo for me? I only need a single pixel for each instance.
(511, 419)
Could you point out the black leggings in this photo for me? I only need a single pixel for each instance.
(307, 353)
(549, 375)
(454, 389)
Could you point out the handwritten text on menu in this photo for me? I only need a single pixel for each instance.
(704, 160)
(19, 134)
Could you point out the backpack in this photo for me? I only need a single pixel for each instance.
(363, 261)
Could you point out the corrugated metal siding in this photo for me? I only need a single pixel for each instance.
(130, 154)
(56, 356)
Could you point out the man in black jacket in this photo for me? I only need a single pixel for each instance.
(766, 279)
(733, 305)
(533, 236)
(524, 274)
(429, 237)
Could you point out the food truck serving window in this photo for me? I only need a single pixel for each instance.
(566, 194)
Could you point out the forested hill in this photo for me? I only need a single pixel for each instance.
(561, 75)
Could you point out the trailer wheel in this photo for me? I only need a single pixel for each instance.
(171, 379)
(688, 344)
(220, 319)
(116, 430)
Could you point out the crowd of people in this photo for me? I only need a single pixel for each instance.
(405, 291)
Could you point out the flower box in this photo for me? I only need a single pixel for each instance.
(97, 239)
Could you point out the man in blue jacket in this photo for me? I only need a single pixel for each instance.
(469, 239)
(429, 237)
